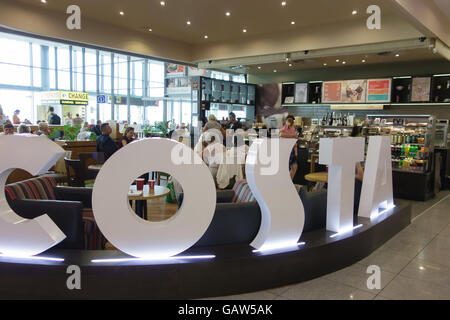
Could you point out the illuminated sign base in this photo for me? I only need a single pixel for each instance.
(201, 271)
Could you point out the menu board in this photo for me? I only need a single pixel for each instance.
(226, 91)
(379, 90)
(234, 92)
(206, 89)
(332, 92)
(301, 92)
(216, 90)
(421, 88)
(354, 91)
(251, 94)
(243, 94)
(196, 72)
(174, 69)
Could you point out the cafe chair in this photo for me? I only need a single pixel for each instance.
(90, 158)
(70, 208)
(76, 173)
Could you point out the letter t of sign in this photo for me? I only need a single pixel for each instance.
(341, 156)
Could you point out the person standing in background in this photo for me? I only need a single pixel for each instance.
(53, 118)
(77, 121)
(288, 131)
(16, 119)
(69, 119)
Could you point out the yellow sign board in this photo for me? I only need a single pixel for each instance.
(65, 97)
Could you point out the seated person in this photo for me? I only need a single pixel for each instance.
(239, 149)
(43, 129)
(104, 143)
(23, 128)
(128, 137)
(8, 129)
(213, 154)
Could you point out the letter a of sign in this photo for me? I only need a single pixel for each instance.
(19, 236)
(376, 191)
(282, 212)
(74, 20)
(374, 21)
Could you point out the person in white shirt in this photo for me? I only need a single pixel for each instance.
(214, 154)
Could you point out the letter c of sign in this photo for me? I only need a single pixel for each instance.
(146, 239)
(19, 236)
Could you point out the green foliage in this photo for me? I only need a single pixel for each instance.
(159, 128)
(71, 132)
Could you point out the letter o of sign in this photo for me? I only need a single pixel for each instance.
(146, 239)
(19, 236)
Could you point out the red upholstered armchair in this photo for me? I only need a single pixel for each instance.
(70, 208)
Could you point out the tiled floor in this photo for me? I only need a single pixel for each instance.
(415, 264)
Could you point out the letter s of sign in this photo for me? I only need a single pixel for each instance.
(282, 212)
(74, 20)
(19, 236)
(146, 239)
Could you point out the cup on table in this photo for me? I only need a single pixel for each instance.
(140, 184)
(151, 184)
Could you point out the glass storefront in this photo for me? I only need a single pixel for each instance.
(132, 89)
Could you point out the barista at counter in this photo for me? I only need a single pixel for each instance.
(234, 123)
(288, 131)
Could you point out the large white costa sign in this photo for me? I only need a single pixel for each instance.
(282, 213)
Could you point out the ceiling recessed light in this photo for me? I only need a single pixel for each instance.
(363, 61)
(228, 14)
(290, 64)
(283, 3)
(206, 37)
(343, 62)
(259, 68)
(354, 12)
(150, 29)
(121, 13)
(244, 30)
(188, 22)
(163, 3)
(44, 1)
(397, 55)
(274, 70)
(325, 64)
(337, 60)
(292, 22)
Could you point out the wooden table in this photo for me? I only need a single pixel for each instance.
(147, 194)
(317, 177)
(95, 167)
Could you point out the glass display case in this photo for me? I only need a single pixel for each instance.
(442, 134)
(412, 139)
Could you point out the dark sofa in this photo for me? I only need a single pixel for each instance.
(69, 208)
(238, 223)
